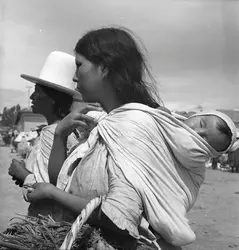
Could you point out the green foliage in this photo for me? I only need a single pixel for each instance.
(9, 115)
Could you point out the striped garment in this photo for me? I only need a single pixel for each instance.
(37, 162)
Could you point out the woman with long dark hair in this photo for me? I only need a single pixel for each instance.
(147, 165)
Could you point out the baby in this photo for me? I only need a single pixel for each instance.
(214, 127)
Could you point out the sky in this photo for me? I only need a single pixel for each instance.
(192, 45)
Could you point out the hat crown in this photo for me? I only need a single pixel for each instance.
(59, 68)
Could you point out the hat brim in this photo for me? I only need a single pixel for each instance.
(75, 94)
(39, 127)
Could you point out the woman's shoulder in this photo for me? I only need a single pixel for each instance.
(141, 115)
(131, 121)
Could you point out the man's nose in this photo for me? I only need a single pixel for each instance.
(32, 96)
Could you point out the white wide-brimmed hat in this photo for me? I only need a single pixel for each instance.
(57, 73)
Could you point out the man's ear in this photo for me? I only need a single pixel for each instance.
(53, 101)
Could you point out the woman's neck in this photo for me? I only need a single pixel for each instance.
(108, 98)
(110, 104)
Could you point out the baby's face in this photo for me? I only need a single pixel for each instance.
(206, 127)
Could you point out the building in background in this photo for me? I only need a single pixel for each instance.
(27, 120)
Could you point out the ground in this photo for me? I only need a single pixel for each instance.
(11, 201)
(214, 218)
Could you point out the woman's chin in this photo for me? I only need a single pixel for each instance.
(87, 99)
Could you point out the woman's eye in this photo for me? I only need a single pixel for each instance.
(78, 65)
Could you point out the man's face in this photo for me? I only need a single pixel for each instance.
(41, 102)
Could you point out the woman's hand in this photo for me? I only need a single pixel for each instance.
(77, 119)
(18, 171)
(39, 191)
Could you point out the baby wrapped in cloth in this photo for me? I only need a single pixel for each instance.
(155, 166)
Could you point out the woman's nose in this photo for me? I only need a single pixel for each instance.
(75, 79)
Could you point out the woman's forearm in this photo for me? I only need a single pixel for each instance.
(76, 204)
(69, 201)
(57, 157)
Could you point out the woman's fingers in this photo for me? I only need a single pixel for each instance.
(29, 195)
(30, 192)
(90, 107)
(34, 185)
(96, 104)
(86, 107)
(15, 161)
(77, 119)
(18, 183)
(80, 125)
(84, 118)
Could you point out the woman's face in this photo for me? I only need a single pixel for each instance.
(89, 79)
(41, 102)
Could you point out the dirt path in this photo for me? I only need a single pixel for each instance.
(11, 201)
(214, 218)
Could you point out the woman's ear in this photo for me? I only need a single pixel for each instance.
(104, 71)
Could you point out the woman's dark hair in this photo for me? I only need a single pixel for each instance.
(116, 50)
(62, 100)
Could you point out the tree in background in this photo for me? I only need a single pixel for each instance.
(9, 115)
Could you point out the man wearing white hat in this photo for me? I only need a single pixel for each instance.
(57, 73)
(53, 97)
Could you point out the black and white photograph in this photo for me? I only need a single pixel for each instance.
(119, 124)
